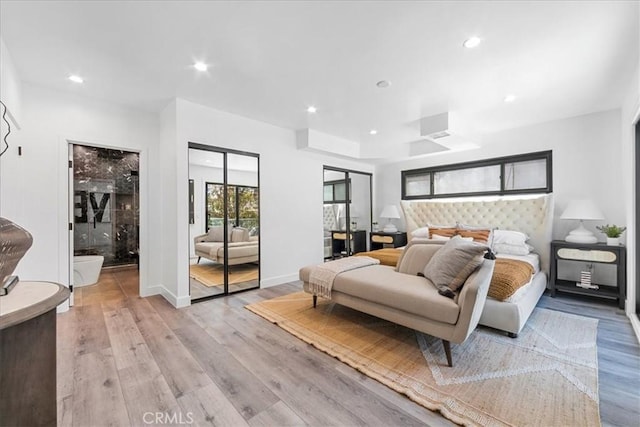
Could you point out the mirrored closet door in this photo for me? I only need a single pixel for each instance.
(224, 206)
(346, 212)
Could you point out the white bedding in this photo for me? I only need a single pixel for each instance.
(532, 258)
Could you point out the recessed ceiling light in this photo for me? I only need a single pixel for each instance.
(76, 79)
(311, 109)
(373, 131)
(383, 83)
(471, 42)
(200, 66)
(509, 98)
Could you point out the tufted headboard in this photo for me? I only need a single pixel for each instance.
(330, 217)
(532, 215)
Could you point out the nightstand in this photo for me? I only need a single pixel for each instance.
(358, 242)
(595, 270)
(380, 239)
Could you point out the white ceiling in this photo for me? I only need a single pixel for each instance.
(269, 60)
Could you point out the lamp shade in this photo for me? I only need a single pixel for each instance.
(390, 211)
(584, 209)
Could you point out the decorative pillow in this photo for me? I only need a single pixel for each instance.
(239, 234)
(444, 231)
(480, 235)
(420, 232)
(505, 248)
(216, 234)
(439, 237)
(509, 237)
(450, 267)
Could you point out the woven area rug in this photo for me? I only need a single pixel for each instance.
(212, 274)
(548, 376)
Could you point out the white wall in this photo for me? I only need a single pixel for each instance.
(587, 161)
(290, 190)
(34, 186)
(10, 88)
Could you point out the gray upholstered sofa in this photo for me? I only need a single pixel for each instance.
(401, 296)
(243, 248)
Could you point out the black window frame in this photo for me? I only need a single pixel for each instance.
(333, 184)
(231, 187)
(498, 161)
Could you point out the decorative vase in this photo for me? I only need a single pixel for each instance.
(15, 241)
(613, 241)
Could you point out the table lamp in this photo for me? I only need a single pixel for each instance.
(390, 212)
(583, 210)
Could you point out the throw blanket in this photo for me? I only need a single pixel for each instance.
(509, 275)
(322, 276)
(387, 256)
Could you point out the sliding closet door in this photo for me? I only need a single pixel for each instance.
(346, 212)
(243, 213)
(207, 272)
(637, 260)
(225, 225)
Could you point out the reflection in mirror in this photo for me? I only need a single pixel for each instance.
(346, 212)
(243, 213)
(221, 264)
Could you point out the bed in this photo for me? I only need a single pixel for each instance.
(532, 215)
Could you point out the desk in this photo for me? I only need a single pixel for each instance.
(28, 353)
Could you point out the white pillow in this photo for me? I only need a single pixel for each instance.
(420, 232)
(439, 237)
(506, 248)
(509, 237)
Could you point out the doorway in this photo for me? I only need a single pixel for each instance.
(347, 212)
(104, 219)
(224, 221)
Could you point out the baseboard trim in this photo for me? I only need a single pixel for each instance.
(279, 280)
(635, 324)
(184, 301)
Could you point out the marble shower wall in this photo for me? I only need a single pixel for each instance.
(106, 204)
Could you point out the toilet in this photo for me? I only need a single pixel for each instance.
(86, 269)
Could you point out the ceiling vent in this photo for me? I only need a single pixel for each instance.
(438, 128)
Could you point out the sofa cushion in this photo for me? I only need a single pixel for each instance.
(239, 234)
(216, 234)
(450, 267)
(381, 284)
(210, 248)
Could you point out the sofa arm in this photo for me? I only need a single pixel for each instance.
(472, 299)
(201, 238)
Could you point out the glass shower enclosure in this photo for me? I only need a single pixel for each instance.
(106, 200)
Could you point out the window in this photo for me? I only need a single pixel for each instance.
(242, 205)
(526, 173)
(335, 191)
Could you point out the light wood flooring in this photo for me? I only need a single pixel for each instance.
(241, 277)
(122, 359)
